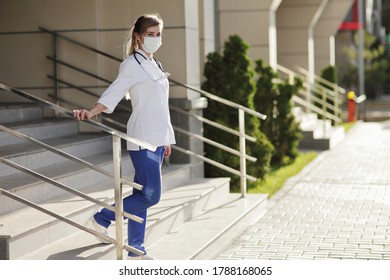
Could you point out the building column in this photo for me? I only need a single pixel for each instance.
(207, 30)
(327, 27)
(272, 35)
(254, 21)
(310, 41)
(304, 30)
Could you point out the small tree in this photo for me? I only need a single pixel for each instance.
(229, 76)
(375, 64)
(329, 74)
(274, 99)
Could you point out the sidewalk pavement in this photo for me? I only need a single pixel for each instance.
(338, 207)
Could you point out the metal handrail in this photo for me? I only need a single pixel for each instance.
(215, 163)
(105, 118)
(241, 109)
(323, 91)
(206, 140)
(205, 93)
(118, 180)
(79, 88)
(69, 113)
(212, 123)
(67, 155)
(214, 143)
(79, 44)
(66, 188)
(78, 69)
(66, 220)
(291, 74)
(51, 213)
(322, 80)
(222, 100)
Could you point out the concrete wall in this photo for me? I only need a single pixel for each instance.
(193, 28)
(179, 53)
(250, 20)
(207, 30)
(294, 19)
(23, 48)
(277, 31)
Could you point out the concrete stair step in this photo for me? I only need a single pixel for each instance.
(322, 140)
(28, 229)
(202, 237)
(26, 225)
(184, 203)
(304, 117)
(205, 236)
(76, 176)
(68, 173)
(176, 208)
(16, 112)
(317, 134)
(39, 129)
(32, 156)
(315, 125)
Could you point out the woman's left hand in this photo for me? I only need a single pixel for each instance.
(168, 151)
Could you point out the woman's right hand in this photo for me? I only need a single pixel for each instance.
(82, 114)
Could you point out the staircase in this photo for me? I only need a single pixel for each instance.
(195, 219)
(317, 134)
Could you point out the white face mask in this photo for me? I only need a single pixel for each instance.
(151, 44)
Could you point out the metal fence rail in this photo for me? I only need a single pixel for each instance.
(117, 176)
(243, 137)
(314, 97)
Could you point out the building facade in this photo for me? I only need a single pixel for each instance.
(292, 33)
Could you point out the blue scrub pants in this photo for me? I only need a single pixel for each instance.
(147, 165)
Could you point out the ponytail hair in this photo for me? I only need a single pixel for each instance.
(140, 26)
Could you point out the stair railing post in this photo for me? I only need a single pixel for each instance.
(308, 93)
(55, 67)
(324, 112)
(336, 104)
(55, 71)
(241, 123)
(116, 151)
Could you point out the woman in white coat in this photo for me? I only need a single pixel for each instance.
(143, 78)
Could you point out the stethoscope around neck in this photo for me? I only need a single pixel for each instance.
(157, 62)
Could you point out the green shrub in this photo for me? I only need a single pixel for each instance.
(274, 100)
(329, 74)
(229, 76)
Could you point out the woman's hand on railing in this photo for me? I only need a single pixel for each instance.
(82, 114)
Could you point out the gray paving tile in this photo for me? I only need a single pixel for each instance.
(338, 209)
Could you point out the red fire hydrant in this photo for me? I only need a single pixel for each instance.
(351, 106)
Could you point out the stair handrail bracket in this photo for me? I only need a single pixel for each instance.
(117, 176)
(315, 92)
